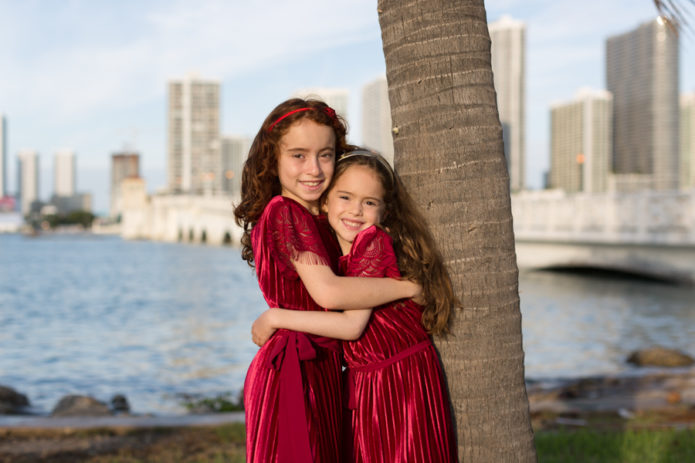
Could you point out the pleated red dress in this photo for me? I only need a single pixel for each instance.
(400, 406)
(293, 387)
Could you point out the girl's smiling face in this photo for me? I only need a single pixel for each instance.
(355, 203)
(306, 160)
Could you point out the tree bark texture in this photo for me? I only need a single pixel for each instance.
(449, 152)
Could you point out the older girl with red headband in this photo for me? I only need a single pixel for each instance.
(292, 392)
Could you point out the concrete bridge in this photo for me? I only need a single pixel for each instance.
(644, 233)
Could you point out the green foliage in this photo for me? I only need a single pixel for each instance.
(233, 433)
(643, 446)
(218, 404)
(83, 218)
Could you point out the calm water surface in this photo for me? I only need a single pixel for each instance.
(101, 316)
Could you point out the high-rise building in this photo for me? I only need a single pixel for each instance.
(27, 179)
(235, 149)
(376, 118)
(687, 134)
(3, 156)
(65, 173)
(123, 165)
(336, 98)
(642, 74)
(194, 164)
(581, 142)
(508, 51)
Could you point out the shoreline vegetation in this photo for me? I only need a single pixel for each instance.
(650, 417)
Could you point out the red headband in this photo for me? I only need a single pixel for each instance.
(328, 110)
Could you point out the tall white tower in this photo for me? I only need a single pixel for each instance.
(376, 118)
(65, 173)
(581, 142)
(235, 149)
(194, 164)
(508, 50)
(336, 98)
(3, 156)
(687, 134)
(28, 179)
(642, 74)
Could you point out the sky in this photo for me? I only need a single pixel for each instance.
(91, 75)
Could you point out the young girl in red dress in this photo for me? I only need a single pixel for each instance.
(398, 399)
(292, 392)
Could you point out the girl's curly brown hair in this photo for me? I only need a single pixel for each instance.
(259, 178)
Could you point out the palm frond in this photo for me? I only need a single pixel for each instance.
(676, 13)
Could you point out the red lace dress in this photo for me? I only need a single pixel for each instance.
(293, 388)
(400, 406)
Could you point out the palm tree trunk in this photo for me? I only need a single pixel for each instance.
(449, 152)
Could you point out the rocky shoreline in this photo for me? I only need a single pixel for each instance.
(618, 396)
(670, 383)
(665, 392)
(13, 402)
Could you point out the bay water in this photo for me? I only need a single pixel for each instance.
(97, 315)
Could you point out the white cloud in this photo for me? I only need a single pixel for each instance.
(84, 71)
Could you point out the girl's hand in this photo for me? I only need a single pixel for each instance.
(262, 328)
(418, 296)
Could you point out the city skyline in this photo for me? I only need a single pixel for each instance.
(107, 88)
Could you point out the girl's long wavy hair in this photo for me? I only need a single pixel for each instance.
(418, 257)
(259, 178)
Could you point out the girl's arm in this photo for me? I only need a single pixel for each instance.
(346, 326)
(349, 293)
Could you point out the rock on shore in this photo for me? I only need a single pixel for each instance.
(659, 356)
(653, 391)
(80, 405)
(12, 402)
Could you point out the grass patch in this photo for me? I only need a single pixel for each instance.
(218, 444)
(218, 404)
(198, 444)
(631, 446)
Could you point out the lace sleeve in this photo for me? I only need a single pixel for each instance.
(291, 236)
(372, 255)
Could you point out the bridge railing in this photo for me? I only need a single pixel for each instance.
(648, 217)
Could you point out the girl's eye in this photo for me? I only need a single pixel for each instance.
(297, 155)
(343, 197)
(328, 155)
(371, 203)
